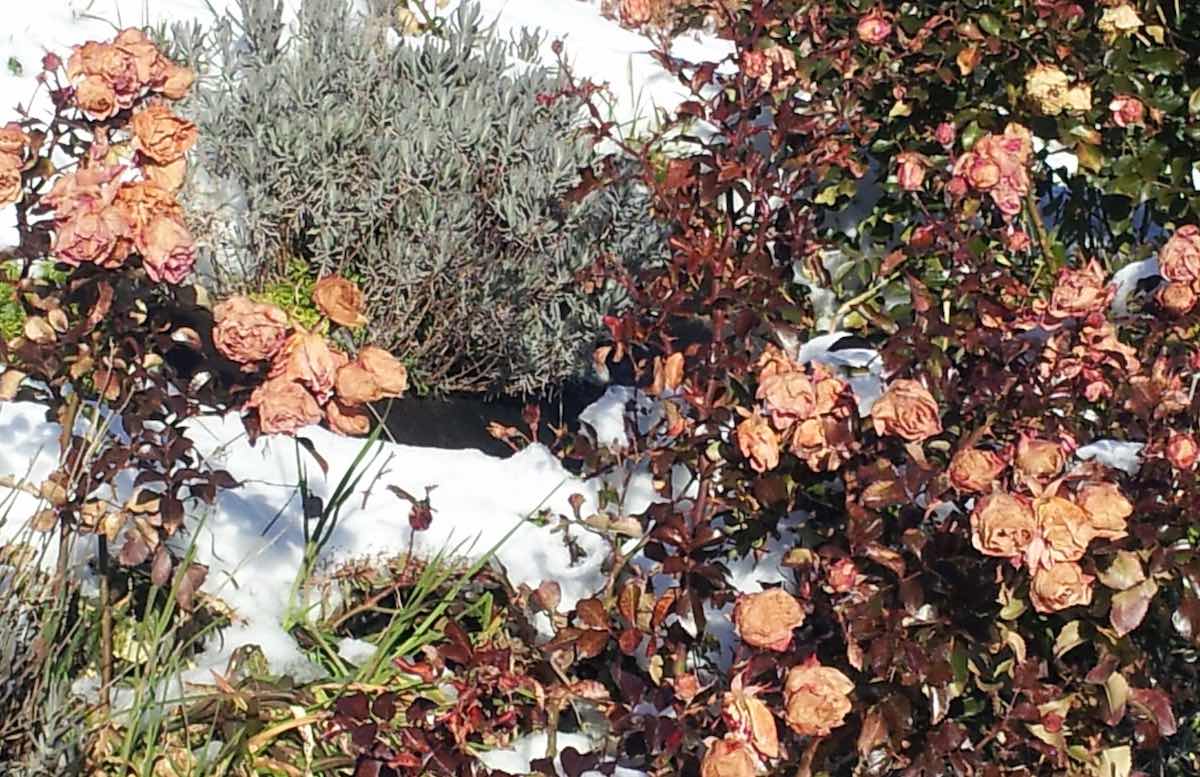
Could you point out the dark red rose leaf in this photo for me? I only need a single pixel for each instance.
(308, 445)
(1129, 607)
(368, 767)
(576, 763)
(160, 570)
(1155, 703)
(629, 640)
(458, 647)
(384, 706)
(135, 551)
(190, 582)
(363, 736)
(354, 708)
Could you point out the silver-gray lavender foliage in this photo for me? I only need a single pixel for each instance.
(432, 171)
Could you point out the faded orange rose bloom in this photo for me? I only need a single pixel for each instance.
(1047, 86)
(748, 718)
(86, 189)
(283, 406)
(980, 172)
(350, 420)
(1003, 525)
(386, 370)
(169, 176)
(340, 300)
(13, 140)
(120, 70)
(1127, 111)
(1182, 451)
(1108, 509)
(1177, 298)
(248, 332)
(1179, 259)
(355, 385)
(910, 172)
(843, 576)
(168, 250)
(759, 443)
(773, 361)
(823, 442)
(144, 54)
(307, 359)
(161, 135)
(1039, 459)
(975, 470)
(97, 236)
(906, 410)
(1059, 587)
(874, 28)
(12, 186)
(1119, 20)
(1065, 528)
(176, 81)
(766, 619)
(96, 98)
(143, 202)
(817, 698)
(787, 397)
(728, 757)
(1079, 293)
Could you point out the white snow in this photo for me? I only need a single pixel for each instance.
(1125, 456)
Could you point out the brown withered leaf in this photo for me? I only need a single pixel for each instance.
(39, 330)
(189, 583)
(627, 601)
(592, 614)
(874, 732)
(160, 570)
(10, 382)
(591, 643)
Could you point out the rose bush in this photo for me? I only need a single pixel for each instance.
(116, 336)
(945, 260)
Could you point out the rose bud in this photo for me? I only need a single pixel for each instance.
(1127, 111)
(874, 28)
(1182, 451)
(910, 173)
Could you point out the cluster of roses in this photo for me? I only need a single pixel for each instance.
(816, 697)
(13, 162)
(1086, 357)
(810, 409)
(1049, 528)
(105, 211)
(307, 378)
(996, 165)
(1179, 264)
